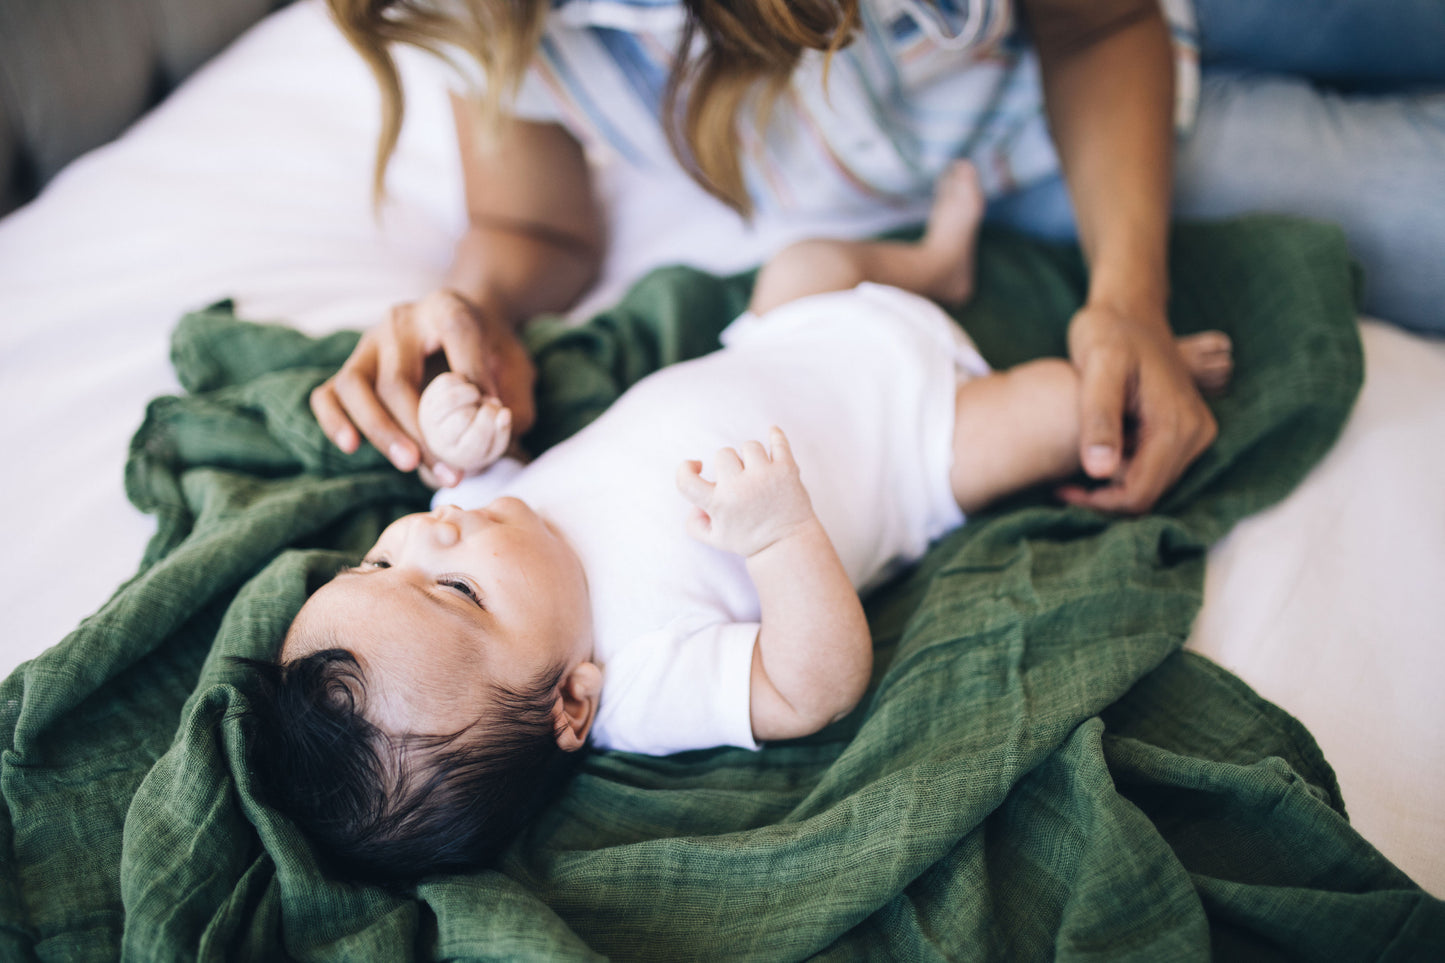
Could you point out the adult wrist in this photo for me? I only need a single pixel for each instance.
(471, 279)
(1133, 284)
(488, 302)
(521, 274)
(1133, 306)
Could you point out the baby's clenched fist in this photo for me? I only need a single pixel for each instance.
(462, 427)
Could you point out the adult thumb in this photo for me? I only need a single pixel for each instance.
(1101, 415)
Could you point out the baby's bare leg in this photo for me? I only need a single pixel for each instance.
(938, 266)
(1018, 428)
(1014, 429)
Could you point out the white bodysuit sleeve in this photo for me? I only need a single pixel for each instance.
(682, 687)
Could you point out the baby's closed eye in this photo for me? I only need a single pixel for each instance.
(464, 587)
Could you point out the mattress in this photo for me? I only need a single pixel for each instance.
(253, 182)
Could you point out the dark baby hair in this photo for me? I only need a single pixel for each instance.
(389, 809)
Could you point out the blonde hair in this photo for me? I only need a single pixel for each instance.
(752, 46)
(499, 35)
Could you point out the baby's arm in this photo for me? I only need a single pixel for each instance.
(814, 655)
(460, 426)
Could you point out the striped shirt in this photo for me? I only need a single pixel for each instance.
(921, 84)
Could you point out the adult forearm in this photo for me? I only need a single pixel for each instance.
(521, 270)
(1109, 86)
(535, 235)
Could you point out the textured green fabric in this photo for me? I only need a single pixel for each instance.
(1037, 770)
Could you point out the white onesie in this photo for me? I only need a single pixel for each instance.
(863, 384)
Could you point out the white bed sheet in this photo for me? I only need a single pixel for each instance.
(252, 181)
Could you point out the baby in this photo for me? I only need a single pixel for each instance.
(615, 592)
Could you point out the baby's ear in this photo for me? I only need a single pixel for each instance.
(576, 708)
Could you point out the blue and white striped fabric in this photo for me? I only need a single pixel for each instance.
(922, 83)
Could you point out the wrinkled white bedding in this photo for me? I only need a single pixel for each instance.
(252, 181)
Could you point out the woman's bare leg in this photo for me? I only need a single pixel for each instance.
(939, 266)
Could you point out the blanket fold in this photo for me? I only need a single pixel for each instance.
(1037, 770)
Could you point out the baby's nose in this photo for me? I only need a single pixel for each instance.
(442, 526)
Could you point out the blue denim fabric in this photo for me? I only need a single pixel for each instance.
(1359, 43)
(1374, 163)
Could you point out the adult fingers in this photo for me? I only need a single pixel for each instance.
(402, 349)
(1103, 389)
(1145, 479)
(366, 390)
(331, 416)
(375, 423)
(1125, 496)
(328, 403)
(1169, 442)
(401, 367)
(1166, 450)
(456, 327)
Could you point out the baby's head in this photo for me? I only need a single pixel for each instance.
(430, 700)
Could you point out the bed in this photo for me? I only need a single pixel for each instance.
(251, 182)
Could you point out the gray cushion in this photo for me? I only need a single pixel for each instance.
(75, 73)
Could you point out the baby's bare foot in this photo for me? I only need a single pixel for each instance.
(1209, 357)
(952, 233)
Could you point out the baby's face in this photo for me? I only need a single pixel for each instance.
(447, 602)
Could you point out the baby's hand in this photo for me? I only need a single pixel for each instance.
(460, 426)
(756, 501)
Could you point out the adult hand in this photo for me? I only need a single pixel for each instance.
(1131, 370)
(376, 393)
